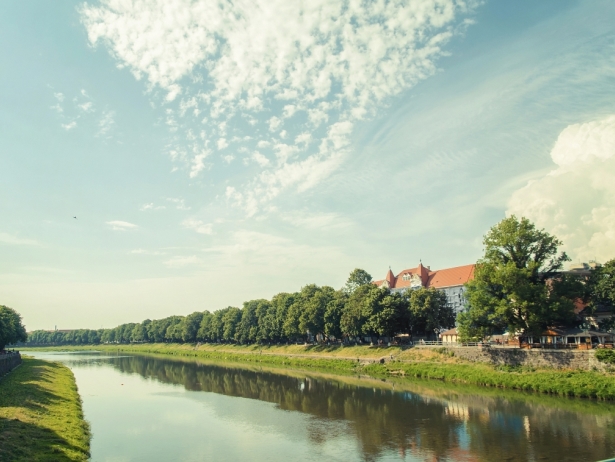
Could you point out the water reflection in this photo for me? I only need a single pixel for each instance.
(413, 422)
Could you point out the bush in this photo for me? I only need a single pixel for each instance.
(606, 356)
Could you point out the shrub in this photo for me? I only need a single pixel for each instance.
(606, 356)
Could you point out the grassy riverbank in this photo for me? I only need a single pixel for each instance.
(40, 415)
(413, 363)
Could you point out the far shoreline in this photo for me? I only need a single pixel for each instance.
(382, 362)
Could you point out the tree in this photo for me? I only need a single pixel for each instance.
(190, 326)
(383, 312)
(353, 314)
(333, 315)
(429, 311)
(516, 285)
(314, 301)
(357, 278)
(601, 292)
(11, 328)
(230, 321)
(602, 285)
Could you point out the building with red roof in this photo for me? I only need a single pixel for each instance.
(449, 280)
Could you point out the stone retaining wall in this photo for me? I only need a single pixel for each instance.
(9, 362)
(557, 359)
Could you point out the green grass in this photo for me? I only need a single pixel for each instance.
(578, 384)
(40, 415)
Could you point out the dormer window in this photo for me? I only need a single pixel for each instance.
(407, 276)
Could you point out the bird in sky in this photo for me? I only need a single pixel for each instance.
(75, 218)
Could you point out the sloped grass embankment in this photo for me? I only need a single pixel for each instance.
(41, 418)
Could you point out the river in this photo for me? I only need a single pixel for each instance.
(146, 408)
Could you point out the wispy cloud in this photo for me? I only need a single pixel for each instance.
(151, 206)
(286, 69)
(69, 126)
(118, 225)
(9, 239)
(179, 203)
(106, 123)
(198, 226)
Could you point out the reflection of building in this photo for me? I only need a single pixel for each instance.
(449, 280)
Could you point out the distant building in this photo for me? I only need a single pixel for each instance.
(450, 281)
(450, 336)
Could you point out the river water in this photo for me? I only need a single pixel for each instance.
(145, 408)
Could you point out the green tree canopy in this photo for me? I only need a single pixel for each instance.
(602, 285)
(357, 278)
(516, 285)
(429, 311)
(11, 328)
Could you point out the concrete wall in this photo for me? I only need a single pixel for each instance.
(557, 359)
(9, 362)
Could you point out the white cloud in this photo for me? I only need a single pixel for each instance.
(228, 158)
(576, 200)
(274, 123)
(88, 106)
(118, 225)
(9, 239)
(69, 126)
(198, 226)
(106, 123)
(179, 203)
(198, 163)
(151, 206)
(259, 159)
(265, 60)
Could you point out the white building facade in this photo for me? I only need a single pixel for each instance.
(449, 280)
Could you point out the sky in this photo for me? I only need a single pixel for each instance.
(168, 156)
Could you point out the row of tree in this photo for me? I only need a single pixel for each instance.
(358, 311)
(518, 287)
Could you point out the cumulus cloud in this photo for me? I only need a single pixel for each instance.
(576, 200)
(118, 225)
(314, 67)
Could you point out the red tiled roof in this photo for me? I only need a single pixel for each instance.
(442, 278)
(452, 331)
(451, 276)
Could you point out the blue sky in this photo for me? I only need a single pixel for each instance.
(216, 152)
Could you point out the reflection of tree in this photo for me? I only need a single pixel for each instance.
(444, 427)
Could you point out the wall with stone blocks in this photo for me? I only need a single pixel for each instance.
(557, 359)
